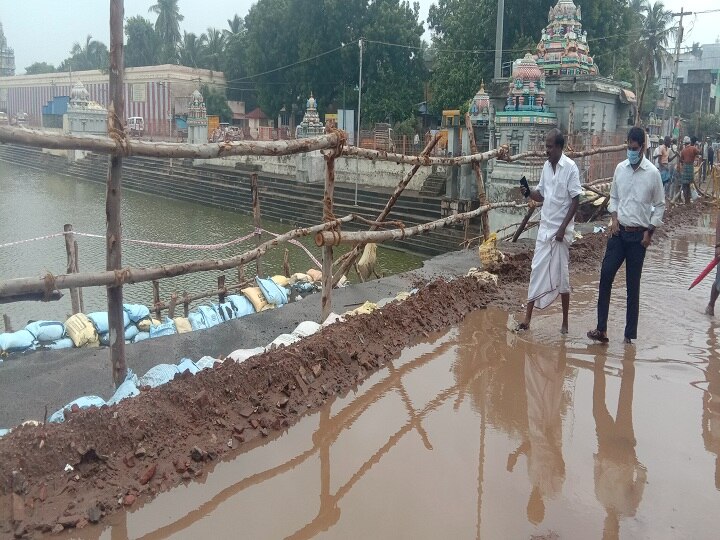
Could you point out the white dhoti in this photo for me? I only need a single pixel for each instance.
(550, 272)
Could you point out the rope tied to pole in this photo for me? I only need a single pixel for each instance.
(117, 135)
(49, 282)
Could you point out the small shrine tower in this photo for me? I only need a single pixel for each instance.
(311, 125)
(197, 121)
(84, 115)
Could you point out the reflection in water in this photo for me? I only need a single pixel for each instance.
(543, 445)
(711, 402)
(619, 476)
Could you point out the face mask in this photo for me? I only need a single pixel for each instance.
(633, 156)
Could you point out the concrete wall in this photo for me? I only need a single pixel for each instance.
(311, 168)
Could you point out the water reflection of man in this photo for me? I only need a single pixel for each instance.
(711, 403)
(619, 476)
(543, 446)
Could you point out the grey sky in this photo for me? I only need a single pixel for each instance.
(45, 30)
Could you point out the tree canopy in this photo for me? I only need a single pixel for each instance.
(39, 67)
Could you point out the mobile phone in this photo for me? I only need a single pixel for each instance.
(524, 187)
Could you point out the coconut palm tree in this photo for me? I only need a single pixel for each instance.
(214, 49)
(236, 25)
(167, 25)
(652, 48)
(92, 55)
(190, 52)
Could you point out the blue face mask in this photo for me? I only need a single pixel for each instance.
(633, 156)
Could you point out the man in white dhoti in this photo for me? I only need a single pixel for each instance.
(559, 192)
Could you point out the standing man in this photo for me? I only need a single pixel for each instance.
(715, 291)
(559, 190)
(687, 167)
(663, 156)
(709, 157)
(637, 204)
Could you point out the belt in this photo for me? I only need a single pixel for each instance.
(632, 229)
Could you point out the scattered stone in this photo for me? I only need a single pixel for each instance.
(230, 443)
(247, 412)
(316, 369)
(201, 399)
(42, 493)
(254, 423)
(18, 508)
(19, 483)
(196, 454)
(264, 432)
(301, 384)
(186, 476)
(81, 524)
(129, 460)
(94, 514)
(21, 530)
(146, 476)
(140, 452)
(129, 499)
(180, 466)
(283, 403)
(57, 529)
(69, 521)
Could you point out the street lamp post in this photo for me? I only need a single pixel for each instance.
(357, 141)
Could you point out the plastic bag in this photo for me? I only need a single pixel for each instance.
(126, 390)
(84, 402)
(46, 330)
(490, 255)
(157, 375)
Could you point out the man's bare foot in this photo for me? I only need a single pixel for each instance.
(564, 329)
(627, 341)
(710, 310)
(522, 327)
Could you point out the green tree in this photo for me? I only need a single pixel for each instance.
(703, 125)
(143, 43)
(167, 26)
(214, 49)
(216, 103)
(92, 55)
(235, 64)
(652, 47)
(190, 52)
(39, 67)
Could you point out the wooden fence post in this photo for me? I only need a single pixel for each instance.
(222, 291)
(113, 198)
(173, 303)
(70, 250)
(256, 217)
(327, 253)
(484, 220)
(186, 304)
(156, 298)
(286, 263)
(7, 323)
(77, 269)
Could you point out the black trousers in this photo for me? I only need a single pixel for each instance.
(624, 247)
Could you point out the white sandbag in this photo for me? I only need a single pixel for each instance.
(84, 402)
(136, 312)
(240, 355)
(306, 328)
(242, 305)
(283, 340)
(142, 336)
(21, 340)
(187, 365)
(207, 362)
(332, 319)
(46, 330)
(299, 278)
(157, 375)
(64, 343)
(126, 390)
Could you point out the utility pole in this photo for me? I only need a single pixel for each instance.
(357, 142)
(675, 89)
(499, 38)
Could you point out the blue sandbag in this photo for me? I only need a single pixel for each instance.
(157, 375)
(197, 321)
(64, 343)
(46, 330)
(126, 390)
(203, 317)
(226, 311)
(187, 365)
(21, 340)
(84, 402)
(165, 329)
(272, 292)
(130, 332)
(242, 305)
(142, 336)
(136, 312)
(100, 320)
(4, 432)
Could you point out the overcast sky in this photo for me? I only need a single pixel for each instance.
(45, 30)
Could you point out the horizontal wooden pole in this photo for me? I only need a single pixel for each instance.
(134, 147)
(27, 285)
(333, 238)
(32, 297)
(199, 296)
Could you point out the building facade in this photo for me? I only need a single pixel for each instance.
(151, 92)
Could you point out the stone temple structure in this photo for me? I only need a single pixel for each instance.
(7, 57)
(311, 126)
(197, 121)
(84, 115)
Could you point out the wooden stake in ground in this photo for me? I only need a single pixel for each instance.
(351, 256)
(70, 250)
(256, 218)
(113, 198)
(482, 198)
(327, 253)
(523, 223)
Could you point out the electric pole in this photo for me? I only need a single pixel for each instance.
(675, 89)
(499, 38)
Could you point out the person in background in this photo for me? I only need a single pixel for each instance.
(715, 291)
(637, 205)
(687, 166)
(559, 190)
(647, 143)
(662, 154)
(708, 158)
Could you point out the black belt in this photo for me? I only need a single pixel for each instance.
(632, 229)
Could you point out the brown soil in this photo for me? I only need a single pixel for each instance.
(124, 455)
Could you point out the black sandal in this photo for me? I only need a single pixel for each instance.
(596, 335)
(521, 327)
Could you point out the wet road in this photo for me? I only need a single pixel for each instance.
(481, 433)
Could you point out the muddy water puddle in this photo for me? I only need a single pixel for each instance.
(481, 433)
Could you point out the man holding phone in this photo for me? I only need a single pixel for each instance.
(559, 191)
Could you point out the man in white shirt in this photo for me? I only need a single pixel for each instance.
(637, 204)
(559, 191)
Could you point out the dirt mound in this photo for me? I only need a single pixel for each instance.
(123, 455)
